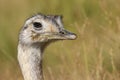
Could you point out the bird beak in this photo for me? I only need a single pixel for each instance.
(64, 34)
(61, 35)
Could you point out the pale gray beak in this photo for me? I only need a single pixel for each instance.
(67, 35)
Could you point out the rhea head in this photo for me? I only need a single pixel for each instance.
(44, 29)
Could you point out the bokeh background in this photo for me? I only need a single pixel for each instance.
(94, 55)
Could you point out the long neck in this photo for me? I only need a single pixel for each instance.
(30, 60)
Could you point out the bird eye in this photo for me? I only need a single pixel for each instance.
(37, 25)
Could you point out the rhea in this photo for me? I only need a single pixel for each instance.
(36, 34)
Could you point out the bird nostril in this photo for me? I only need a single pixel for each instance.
(62, 32)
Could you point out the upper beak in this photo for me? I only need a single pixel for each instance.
(68, 35)
(61, 35)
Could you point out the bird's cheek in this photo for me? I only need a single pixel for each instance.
(34, 37)
(42, 39)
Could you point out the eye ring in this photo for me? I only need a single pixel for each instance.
(37, 25)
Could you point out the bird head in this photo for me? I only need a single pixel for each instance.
(44, 28)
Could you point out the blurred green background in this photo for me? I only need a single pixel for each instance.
(95, 55)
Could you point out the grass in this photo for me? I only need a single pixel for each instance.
(94, 55)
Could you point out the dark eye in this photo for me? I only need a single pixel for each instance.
(37, 24)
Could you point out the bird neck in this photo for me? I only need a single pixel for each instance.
(30, 60)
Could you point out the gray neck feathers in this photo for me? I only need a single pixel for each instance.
(30, 60)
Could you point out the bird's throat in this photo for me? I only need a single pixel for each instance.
(30, 60)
